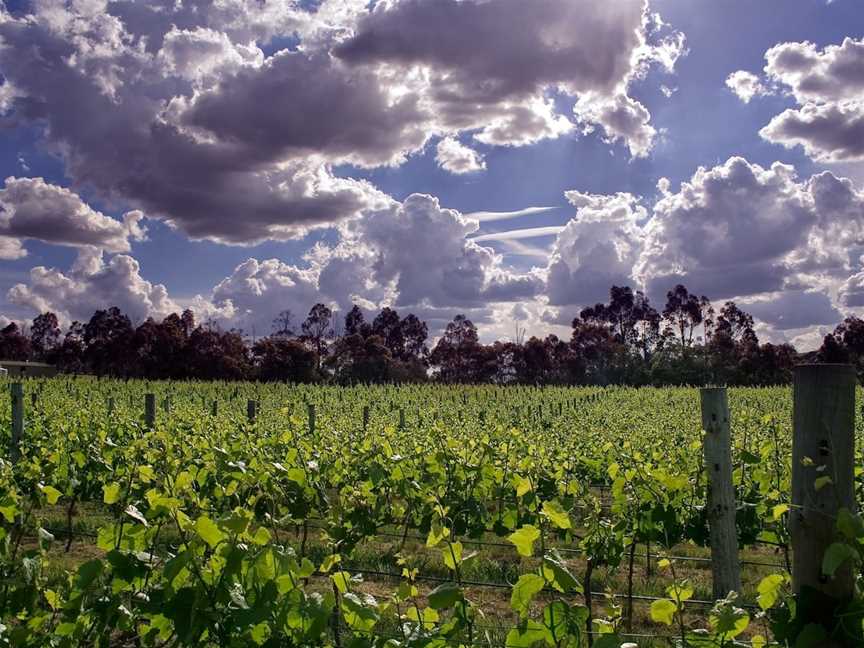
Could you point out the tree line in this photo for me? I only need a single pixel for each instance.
(624, 341)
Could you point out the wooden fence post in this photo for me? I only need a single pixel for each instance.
(717, 445)
(823, 463)
(149, 411)
(251, 410)
(311, 409)
(214, 408)
(17, 393)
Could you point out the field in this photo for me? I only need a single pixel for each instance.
(386, 516)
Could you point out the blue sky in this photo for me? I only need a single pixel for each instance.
(700, 123)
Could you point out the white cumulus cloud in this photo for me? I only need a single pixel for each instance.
(453, 156)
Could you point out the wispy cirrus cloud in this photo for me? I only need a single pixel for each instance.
(489, 216)
(518, 234)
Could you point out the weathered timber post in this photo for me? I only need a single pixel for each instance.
(214, 408)
(251, 410)
(311, 409)
(717, 446)
(149, 411)
(823, 462)
(17, 394)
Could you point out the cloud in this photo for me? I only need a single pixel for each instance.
(414, 255)
(242, 20)
(203, 55)
(833, 73)
(486, 216)
(159, 143)
(210, 113)
(831, 132)
(835, 246)
(455, 157)
(498, 81)
(522, 123)
(550, 47)
(257, 290)
(738, 230)
(596, 249)
(745, 85)
(252, 296)
(623, 119)
(517, 248)
(726, 232)
(735, 231)
(518, 234)
(519, 312)
(31, 208)
(275, 111)
(11, 249)
(522, 321)
(790, 249)
(93, 284)
(794, 309)
(828, 86)
(423, 250)
(852, 291)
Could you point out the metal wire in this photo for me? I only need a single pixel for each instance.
(494, 585)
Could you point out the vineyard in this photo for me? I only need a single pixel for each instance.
(241, 514)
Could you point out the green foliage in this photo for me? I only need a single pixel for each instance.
(203, 525)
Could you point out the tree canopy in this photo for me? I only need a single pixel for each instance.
(626, 340)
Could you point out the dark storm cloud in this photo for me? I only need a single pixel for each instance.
(115, 137)
(174, 108)
(513, 47)
(297, 104)
(795, 309)
(725, 282)
(485, 58)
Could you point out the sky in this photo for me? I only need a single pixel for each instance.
(506, 159)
